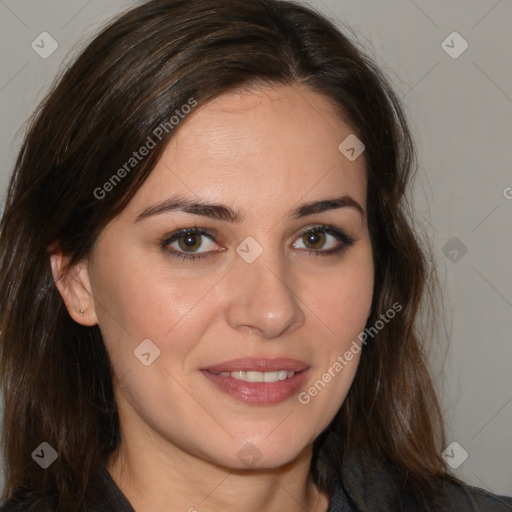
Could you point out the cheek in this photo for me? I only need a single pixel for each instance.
(342, 298)
(139, 299)
(342, 305)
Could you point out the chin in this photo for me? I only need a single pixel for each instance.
(264, 455)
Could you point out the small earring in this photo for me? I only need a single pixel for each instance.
(81, 312)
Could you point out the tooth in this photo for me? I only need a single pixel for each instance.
(270, 377)
(254, 376)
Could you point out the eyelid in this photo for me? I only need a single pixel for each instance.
(195, 230)
(324, 227)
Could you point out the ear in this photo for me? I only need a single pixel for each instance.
(74, 286)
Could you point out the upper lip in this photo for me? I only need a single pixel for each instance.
(258, 365)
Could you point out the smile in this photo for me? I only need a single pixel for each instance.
(252, 376)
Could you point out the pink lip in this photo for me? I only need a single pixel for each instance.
(258, 393)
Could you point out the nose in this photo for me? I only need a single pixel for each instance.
(262, 297)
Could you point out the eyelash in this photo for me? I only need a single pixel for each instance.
(346, 242)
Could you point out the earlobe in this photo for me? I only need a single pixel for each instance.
(75, 288)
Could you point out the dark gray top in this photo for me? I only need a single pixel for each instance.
(367, 485)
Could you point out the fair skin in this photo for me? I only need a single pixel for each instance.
(262, 152)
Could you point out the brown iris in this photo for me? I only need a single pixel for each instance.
(314, 238)
(189, 244)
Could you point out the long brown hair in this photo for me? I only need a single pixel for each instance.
(56, 374)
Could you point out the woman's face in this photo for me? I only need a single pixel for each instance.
(263, 286)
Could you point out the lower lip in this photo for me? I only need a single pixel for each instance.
(259, 393)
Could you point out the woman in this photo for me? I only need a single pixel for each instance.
(209, 280)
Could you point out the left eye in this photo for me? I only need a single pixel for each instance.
(317, 238)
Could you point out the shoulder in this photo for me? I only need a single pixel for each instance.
(29, 504)
(464, 497)
(369, 483)
(458, 496)
(455, 497)
(105, 496)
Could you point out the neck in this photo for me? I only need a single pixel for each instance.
(173, 480)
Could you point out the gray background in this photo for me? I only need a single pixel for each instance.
(460, 111)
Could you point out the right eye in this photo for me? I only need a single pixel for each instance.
(185, 244)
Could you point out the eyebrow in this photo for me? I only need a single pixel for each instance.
(225, 213)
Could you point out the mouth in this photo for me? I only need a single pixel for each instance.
(258, 381)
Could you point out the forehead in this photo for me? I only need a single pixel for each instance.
(264, 145)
